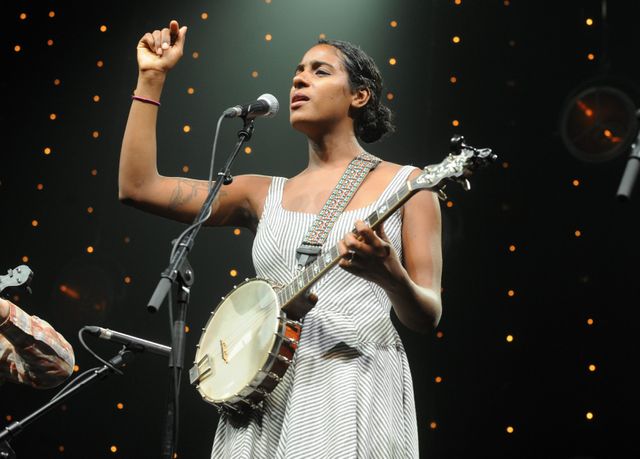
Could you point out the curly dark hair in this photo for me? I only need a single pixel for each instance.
(374, 120)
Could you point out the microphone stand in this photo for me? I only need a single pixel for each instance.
(179, 275)
(631, 172)
(123, 357)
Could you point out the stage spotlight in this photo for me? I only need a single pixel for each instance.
(599, 124)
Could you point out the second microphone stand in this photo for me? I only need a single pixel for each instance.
(180, 276)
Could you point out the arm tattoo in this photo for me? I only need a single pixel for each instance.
(186, 190)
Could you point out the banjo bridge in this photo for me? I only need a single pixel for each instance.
(224, 349)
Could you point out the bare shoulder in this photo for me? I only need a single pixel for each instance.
(384, 172)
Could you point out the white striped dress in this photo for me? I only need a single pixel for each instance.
(348, 392)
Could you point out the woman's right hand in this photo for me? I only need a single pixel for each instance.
(160, 50)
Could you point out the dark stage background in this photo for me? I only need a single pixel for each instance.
(536, 353)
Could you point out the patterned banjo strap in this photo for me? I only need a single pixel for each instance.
(347, 186)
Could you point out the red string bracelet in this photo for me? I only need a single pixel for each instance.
(146, 101)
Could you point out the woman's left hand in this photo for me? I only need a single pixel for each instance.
(370, 255)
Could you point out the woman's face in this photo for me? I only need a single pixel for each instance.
(320, 96)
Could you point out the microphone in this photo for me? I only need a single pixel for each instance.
(266, 105)
(128, 340)
(631, 173)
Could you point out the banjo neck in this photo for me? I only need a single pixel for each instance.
(325, 261)
(454, 167)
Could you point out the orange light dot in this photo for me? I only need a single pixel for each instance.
(100, 64)
(76, 368)
(512, 248)
(248, 150)
(505, 165)
(186, 128)
(390, 96)
(113, 448)
(195, 54)
(233, 273)
(433, 425)
(453, 79)
(95, 134)
(457, 2)
(8, 417)
(510, 338)
(590, 321)
(103, 28)
(53, 116)
(236, 231)
(204, 15)
(190, 91)
(34, 223)
(56, 82)
(47, 151)
(455, 123)
(254, 74)
(127, 280)
(592, 368)
(52, 14)
(393, 24)
(438, 379)
(90, 210)
(589, 415)
(94, 172)
(322, 36)
(23, 16)
(61, 448)
(509, 429)
(49, 42)
(120, 405)
(90, 249)
(25, 259)
(511, 293)
(589, 21)
(127, 239)
(456, 39)
(393, 61)
(39, 186)
(268, 37)
(575, 182)
(96, 98)
(449, 204)
(577, 233)
(267, 2)
(186, 329)
(17, 48)
(591, 56)
(185, 168)
(507, 3)
(439, 334)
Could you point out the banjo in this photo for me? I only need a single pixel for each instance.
(250, 338)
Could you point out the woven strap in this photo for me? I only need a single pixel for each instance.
(347, 186)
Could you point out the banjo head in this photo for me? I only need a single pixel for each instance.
(236, 342)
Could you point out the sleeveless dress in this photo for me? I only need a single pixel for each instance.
(348, 392)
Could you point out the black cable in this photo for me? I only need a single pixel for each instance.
(208, 214)
(100, 359)
(82, 375)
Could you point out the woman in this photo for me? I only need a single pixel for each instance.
(348, 392)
